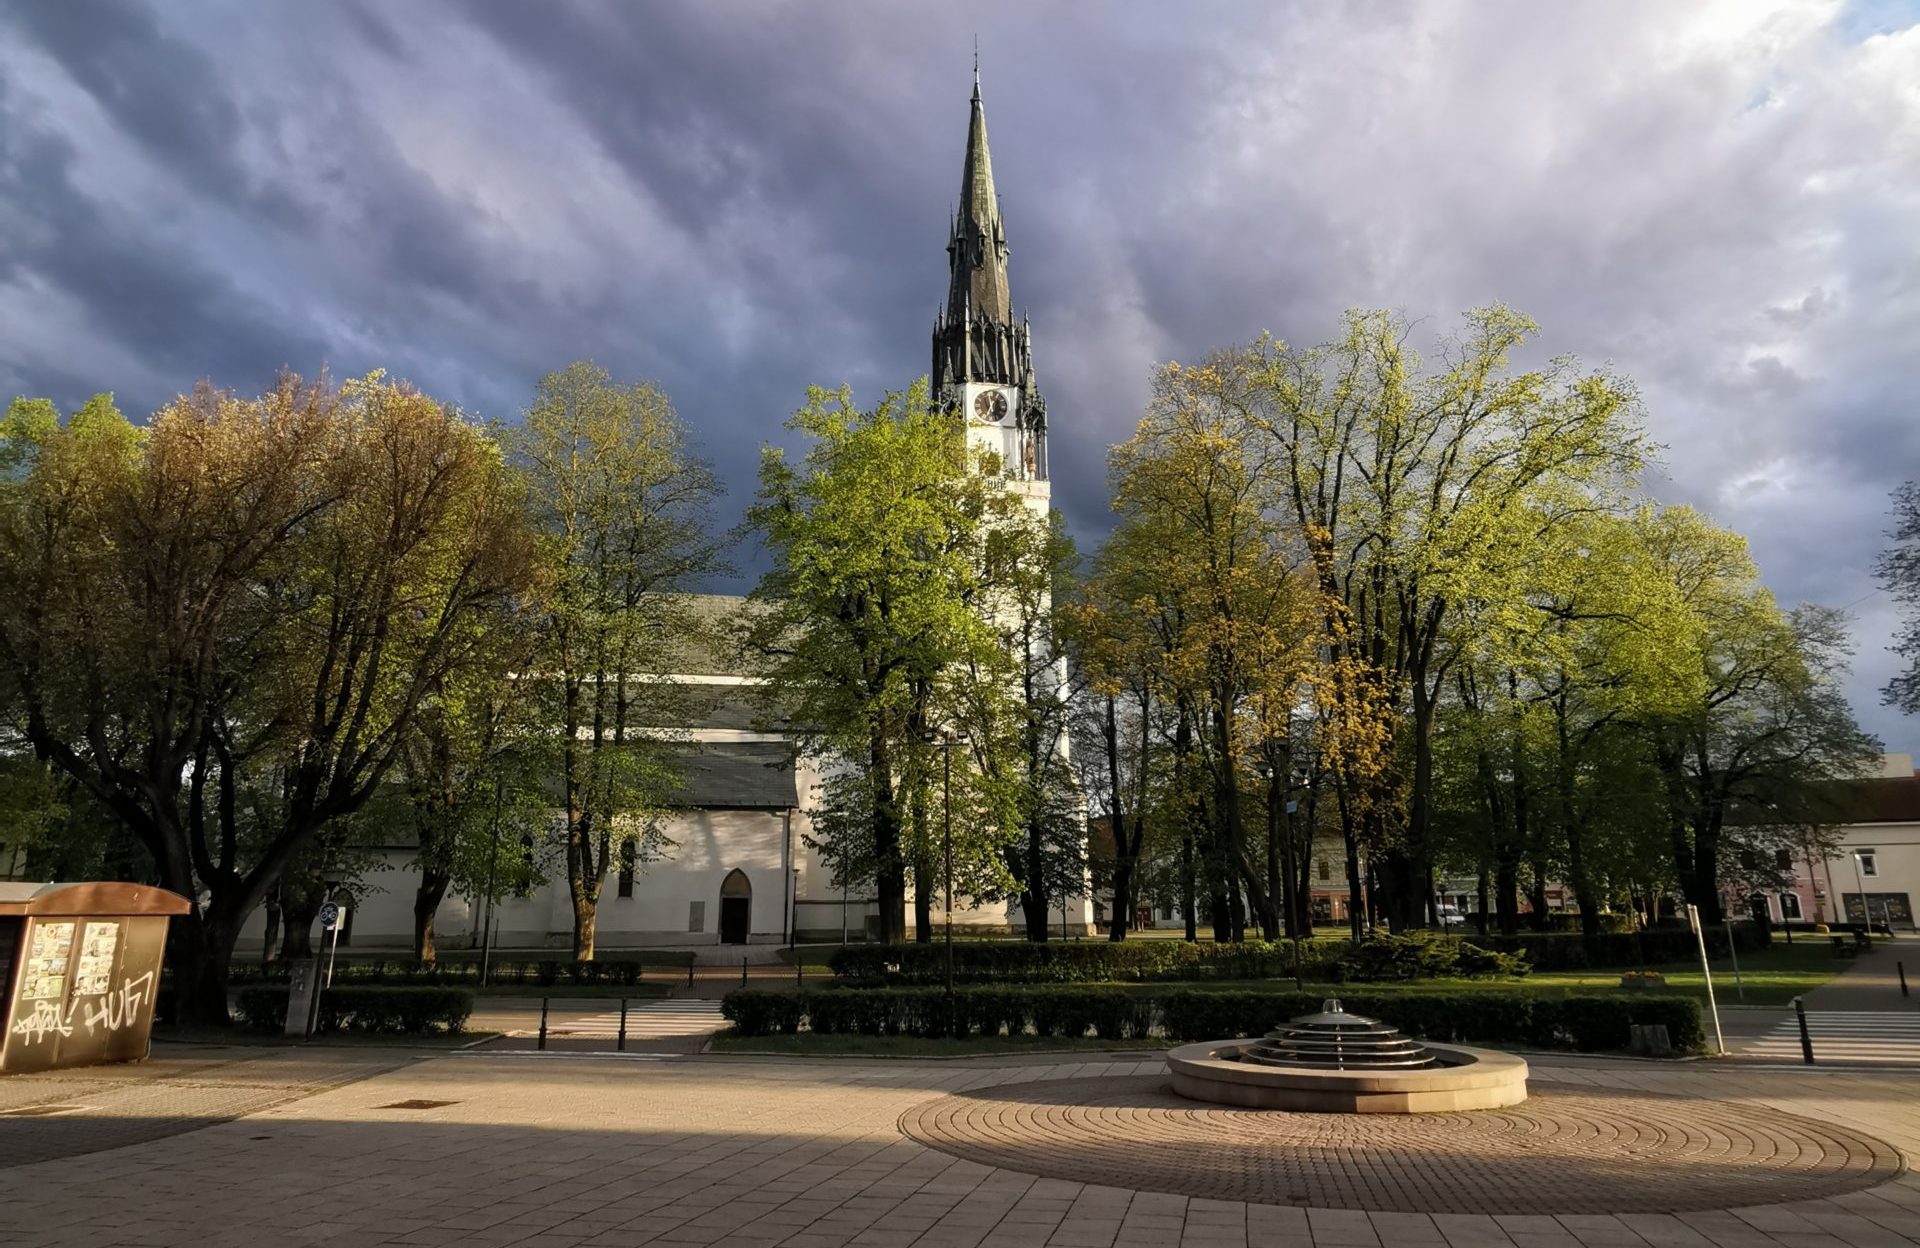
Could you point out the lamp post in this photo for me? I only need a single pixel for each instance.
(1866, 915)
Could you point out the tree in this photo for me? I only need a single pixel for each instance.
(1899, 572)
(1199, 553)
(1414, 489)
(1759, 720)
(473, 779)
(872, 616)
(623, 509)
(272, 583)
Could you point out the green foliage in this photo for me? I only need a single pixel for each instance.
(622, 507)
(1383, 957)
(1477, 963)
(1023, 962)
(1585, 1024)
(413, 1010)
(870, 627)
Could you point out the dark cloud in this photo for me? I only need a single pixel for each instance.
(1716, 200)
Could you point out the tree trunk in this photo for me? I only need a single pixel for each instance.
(271, 933)
(200, 953)
(1189, 885)
(1033, 897)
(890, 868)
(1349, 835)
(1418, 867)
(1123, 851)
(1279, 878)
(583, 885)
(426, 904)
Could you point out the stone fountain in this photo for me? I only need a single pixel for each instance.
(1336, 1062)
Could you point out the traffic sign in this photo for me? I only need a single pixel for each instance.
(329, 916)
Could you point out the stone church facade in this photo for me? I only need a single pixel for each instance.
(738, 869)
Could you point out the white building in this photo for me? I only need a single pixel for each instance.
(739, 869)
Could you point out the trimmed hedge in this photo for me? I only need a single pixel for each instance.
(1566, 951)
(1585, 1024)
(1416, 955)
(1582, 1023)
(1080, 961)
(355, 1008)
(544, 972)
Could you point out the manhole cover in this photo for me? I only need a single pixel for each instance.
(418, 1104)
(40, 1111)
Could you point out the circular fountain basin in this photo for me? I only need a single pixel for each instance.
(1341, 1063)
(1461, 1078)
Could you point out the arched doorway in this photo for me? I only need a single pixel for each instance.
(736, 908)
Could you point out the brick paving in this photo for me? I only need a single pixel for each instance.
(1566, 1150)
(71, 1113)
(585, 1152)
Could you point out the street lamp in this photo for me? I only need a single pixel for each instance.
(1866, 914)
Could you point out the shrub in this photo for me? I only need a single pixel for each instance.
(1477, 963)
(1488, 1017)
(1484, 1017)
(1068, 962)
(356, 1008)
(1386, 957)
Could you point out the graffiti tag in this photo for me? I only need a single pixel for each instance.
(46, 1020)
(112, 1012)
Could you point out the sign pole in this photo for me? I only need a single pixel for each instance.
(1739, 985)
(1700, 935)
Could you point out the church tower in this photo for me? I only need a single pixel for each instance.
(982, 357)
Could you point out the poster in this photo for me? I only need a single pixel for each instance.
(98, 944)
(45, 977)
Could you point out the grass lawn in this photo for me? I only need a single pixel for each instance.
(806, 1044)
(1772, 978)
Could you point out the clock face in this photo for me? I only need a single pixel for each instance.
(990, 405)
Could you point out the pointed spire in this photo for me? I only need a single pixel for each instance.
(980, 254)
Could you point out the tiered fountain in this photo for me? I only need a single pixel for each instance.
(1336, 1062)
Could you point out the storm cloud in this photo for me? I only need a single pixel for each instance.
(1720, 200)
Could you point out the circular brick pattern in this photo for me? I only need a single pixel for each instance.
(1566, 1150)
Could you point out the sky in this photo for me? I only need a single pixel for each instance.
(1720, 200)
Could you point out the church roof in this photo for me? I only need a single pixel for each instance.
(737, 776)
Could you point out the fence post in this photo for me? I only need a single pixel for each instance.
(620, 1045)
(800, 971)
(543, 1023)
(743, 972)
(1806, 1037)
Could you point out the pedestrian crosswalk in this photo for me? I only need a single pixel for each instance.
(1883, 1036)
(646, 1020)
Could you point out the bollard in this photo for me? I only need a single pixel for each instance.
(743, 972)
(620, 1045)
(543, 1023)
(1806, 1037)
(799, 971)
(689, 972)
(1902, 968)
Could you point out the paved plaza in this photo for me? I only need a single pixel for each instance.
(349, 1147)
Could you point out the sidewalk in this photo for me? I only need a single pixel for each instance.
(1872, 981)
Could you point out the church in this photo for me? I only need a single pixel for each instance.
(739, 870)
